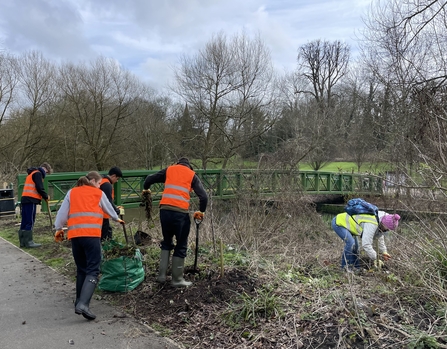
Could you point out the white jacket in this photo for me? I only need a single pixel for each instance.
(371, 232)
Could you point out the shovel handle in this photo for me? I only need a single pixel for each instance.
(198, 221)
(49, 213)
(124, 230)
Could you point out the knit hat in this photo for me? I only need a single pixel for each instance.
(390, 221)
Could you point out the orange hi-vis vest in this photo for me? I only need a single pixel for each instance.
(85, 215)
(106, 180)
(29, 189)
(177, 186)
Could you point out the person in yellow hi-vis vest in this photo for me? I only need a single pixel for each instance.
(368, 227)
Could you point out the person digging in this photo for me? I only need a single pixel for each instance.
(179, 180)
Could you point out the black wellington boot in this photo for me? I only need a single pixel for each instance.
(80, 278)
(86, 295)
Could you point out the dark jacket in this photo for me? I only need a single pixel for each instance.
(38, 178)
(107, 187)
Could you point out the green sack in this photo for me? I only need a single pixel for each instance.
(123, 273)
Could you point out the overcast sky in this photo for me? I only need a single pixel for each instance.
(147, 37)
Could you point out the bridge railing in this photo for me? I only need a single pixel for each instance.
(222, 184)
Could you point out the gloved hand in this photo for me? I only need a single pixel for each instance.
(386, 256)
(121, 208)
(378, 265)
(59, 236)
(121, 221)
(199, 215)
(146, 191)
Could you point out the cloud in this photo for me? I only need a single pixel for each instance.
(148, 36)
(53, 27)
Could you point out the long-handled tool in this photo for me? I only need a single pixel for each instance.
(124, 225)
(49, 213)
(197, 221)
(124, 230)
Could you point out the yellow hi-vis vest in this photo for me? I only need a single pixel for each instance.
(352, 223)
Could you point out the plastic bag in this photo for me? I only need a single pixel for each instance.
(123, 273)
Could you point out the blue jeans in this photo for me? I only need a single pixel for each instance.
(350, 255)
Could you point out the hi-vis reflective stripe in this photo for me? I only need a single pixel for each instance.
(349, 224)
(365, 219)
(353, 224)
(85, 214)
(177, 187)
(176, 197)
(84, 226)
(29, 188)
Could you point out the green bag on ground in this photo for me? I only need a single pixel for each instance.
(123, 273)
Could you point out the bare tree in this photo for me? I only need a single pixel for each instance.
(322, 64)
(98, 99)
(404, 47)
(321, 68)
(33, 118)
(151, 138)
(8, 83)
(228, 87)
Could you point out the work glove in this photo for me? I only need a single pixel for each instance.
(121, 208)
(378, 264)
(59, 236)
(386, 256)
(199, 215)
(121, 221)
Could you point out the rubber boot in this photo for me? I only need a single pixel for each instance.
(28, 239)
(21, 238)
(86, 295)
(79, 283)
(177, 273)
(164, 262)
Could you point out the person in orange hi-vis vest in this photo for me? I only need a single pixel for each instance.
(32, 195)
(82, 210)
(106, 186)
(179, 180)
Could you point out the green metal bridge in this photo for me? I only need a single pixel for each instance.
(222, 184)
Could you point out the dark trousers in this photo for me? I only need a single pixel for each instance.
(176, 224)
(28, 216)
(106, 230)
(87, 255)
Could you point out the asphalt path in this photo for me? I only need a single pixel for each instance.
(37, 312)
